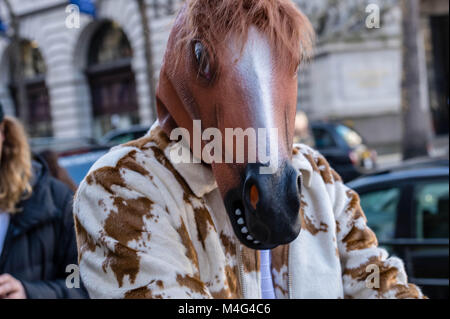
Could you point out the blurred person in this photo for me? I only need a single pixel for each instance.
(302, 133)
(58, 172)
(37, 239)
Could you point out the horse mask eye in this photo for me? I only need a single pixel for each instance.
(203, 61)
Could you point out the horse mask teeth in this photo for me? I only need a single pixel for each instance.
(271, 220)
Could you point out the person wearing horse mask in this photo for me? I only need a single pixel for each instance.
(150, 225)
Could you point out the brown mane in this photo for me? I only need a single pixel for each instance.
(212, 21)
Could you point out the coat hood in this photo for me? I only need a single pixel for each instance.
(39, 207)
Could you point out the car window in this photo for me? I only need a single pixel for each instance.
(122, 138)
(79, 165)
(352, 138)
(323, 139)
(138, 135)
(380, 208)
(431, 209)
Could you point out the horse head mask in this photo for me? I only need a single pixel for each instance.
(233, 64)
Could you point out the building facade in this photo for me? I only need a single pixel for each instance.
(356, 75)
(83, 79)
(85, 76)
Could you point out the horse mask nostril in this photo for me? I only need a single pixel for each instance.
(254, 196)
(299, 183)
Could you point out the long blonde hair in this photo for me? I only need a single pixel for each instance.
(15, 166)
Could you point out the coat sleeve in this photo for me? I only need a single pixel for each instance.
(129, 245)
(367, 270)
(65, 253)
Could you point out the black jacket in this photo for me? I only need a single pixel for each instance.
(40, 241)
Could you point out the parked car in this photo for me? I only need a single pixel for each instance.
(344, 149)
(75, 155)
(78, 164)
(407, 207)
(117, 137)
(60, 145)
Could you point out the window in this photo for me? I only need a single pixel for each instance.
(111, 80)
(323, 139)
(352, 138)
(109, 44)
(431, 210)
(380, 208)
(122, 138)
(32, 62)
(31, 75)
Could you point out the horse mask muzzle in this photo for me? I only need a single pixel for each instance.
(264, 209)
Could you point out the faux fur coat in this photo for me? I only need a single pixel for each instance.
(150, 228)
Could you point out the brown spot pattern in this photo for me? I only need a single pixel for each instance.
(89, 179)
(232, 275)
(127, 223)
(228, 244)
(203, 220)
(157, 136)
(388, 278)
(283, 291)
(162, 159)
(354, 206)
(110, 176)
(130, 162)
(160, 138)
(107, 177)
(307, 224)
(191, 254)
(357, 238)
(250, 259)
(201, 212)
(232, 289)
(407, 292)
(141, 293)
(338, 227)
(312, 162)
(140, 143)
(122, 261)
(321, 166)
(84, 240)
(325, 170)
(194, 284)
(336, 176)
(280, 257)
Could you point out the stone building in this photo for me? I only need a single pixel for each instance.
(356, 75)
(83, 79)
